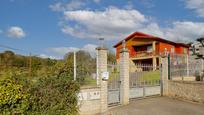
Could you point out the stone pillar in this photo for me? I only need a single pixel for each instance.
(102, 67)
(164, 76)
(124, 76)
(187, 63)
(202, 61)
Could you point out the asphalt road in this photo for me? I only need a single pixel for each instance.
(158, 106)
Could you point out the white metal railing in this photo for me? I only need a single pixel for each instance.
(144, 54)
(144, 75)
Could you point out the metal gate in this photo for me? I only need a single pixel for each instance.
(184, 67)
(144, 81)
(113, 85)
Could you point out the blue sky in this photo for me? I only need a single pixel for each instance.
(51, 28)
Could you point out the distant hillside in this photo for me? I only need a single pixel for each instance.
(12, 64)
(9, 58)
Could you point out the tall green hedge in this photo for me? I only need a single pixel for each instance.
(55, 95)
(46, 96)
(13, 100)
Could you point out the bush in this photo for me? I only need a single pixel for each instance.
(20, 94)
(13, 100)
(51, 95)
(55, 95)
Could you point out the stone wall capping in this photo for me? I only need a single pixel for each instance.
(101, 48)
(187, 82)
(89, 87)
(124, 50)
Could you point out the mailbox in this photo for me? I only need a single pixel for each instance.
(105, 76)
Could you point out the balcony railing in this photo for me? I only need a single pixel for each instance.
(145, 54)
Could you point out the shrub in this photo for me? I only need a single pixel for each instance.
(20, 94)
(55, 95)
(13, 100)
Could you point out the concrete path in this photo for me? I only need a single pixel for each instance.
(158, 106)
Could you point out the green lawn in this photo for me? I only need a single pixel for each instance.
(146, 75)
(89, 81)
(151, 75)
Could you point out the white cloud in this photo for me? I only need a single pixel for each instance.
(72, 5)
(61, 51)
(57, 7)
(16, 32)
(179, 31)
(91, 48)
(185, 30)
(154, 29)
(196, 5)
(114, 23)
(47, 56)
(111, 23)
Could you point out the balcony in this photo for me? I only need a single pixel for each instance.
(144, 54)
(145, 50)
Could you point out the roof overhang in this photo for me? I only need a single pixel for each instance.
(146, 36)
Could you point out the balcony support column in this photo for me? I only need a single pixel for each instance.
(154, 59)
(154, 63)
(154, 47)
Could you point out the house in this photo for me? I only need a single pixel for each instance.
(146, 49)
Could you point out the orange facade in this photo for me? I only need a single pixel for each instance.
(161, 46)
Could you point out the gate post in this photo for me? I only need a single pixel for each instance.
(124, 75)
(102, 67)
(164, 76)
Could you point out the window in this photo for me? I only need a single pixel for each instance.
(185, 51)
(149, 49)
(172, 50)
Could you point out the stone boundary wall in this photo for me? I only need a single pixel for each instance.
(187, 90)
(89, 100)
(185, 78)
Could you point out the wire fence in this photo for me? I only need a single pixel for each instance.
(86, 75)
(185, 67)
(34, 67)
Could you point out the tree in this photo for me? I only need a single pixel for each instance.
(7, 58)
(111, 57)
(86, 65)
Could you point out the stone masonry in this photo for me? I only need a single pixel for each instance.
(89, 103)
(102, 67)
(164, 77)
(124, 76)
(187, 90)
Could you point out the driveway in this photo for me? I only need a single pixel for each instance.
(158, 106)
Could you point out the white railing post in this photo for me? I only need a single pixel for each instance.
(97, 73)
(74, 65)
